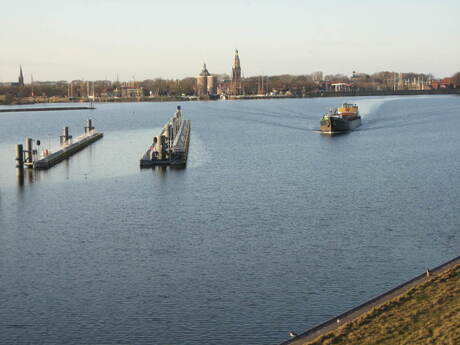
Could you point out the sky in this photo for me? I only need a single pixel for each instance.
(142, 39)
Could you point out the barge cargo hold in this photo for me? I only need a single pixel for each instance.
(171, 147)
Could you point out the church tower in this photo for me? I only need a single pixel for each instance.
(206, 83)
(202, 82)
(21, 77)
(236, 74)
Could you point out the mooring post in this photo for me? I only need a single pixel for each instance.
(178, 111)
(19, 159)
(89, 126)
(167, 138)
(65, 135)
(28, 152)
(161, 147)
(171, 135)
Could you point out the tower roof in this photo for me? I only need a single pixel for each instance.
(204, 72)
(21, 76)
(236, 60)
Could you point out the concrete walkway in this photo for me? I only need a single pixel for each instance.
(354, 313)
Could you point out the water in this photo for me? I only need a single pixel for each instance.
(271, 227)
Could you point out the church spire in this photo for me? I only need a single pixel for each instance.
(236, 75)
(236, 60)
(204, 71)
(21, 77)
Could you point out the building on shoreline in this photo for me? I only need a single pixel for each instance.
(228, 86)
(206, 83)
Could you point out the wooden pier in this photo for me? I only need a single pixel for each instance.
(171, 147)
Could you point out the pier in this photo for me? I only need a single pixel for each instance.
(30, 157)
(44, 109)
(171, 147)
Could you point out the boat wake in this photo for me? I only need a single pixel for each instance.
(367, 107)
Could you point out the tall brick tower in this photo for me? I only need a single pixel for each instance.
(202, 82)
(21, 77)
(236, 88)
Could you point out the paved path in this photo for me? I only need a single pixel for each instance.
(354, 313)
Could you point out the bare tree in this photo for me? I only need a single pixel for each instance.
(456, 78)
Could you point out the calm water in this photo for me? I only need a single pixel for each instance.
(272, 226)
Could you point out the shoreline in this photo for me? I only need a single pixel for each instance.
(366, 307)
(316, 94)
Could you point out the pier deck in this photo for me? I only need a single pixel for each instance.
(67, 151)
(30, 158)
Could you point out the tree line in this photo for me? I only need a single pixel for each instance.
(286, 83)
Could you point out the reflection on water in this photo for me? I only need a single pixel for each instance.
(335, 134)
(28, 176)
(269, 223)
(20, 176)
(163, 171)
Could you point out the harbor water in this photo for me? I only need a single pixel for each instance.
(272, 226)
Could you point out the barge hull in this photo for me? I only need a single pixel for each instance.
(337, 125)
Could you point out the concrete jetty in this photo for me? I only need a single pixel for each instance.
(30, 157)
(10, 110)
(171, 147)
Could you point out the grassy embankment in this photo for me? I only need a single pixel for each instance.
(427, 314)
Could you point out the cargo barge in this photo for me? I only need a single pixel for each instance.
(170, 148)
(343, 119)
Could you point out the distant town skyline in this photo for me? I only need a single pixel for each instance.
(140, 39)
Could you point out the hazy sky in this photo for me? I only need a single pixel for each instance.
(65, 40)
